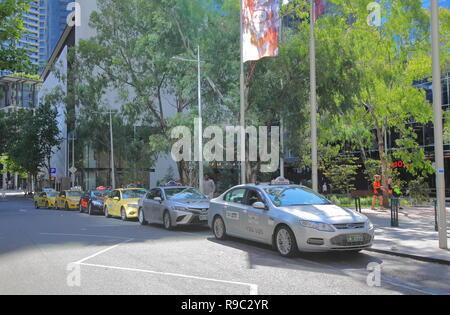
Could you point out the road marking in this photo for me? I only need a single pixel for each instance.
(253, 287)
(102, 252)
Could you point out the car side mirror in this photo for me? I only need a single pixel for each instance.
(259, 205)
(158, 199)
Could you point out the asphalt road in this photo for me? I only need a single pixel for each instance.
(58, 252)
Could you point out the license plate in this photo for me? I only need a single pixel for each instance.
(355, 238)
(203, 218)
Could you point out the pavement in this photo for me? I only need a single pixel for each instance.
(63, 252)
(415, 237)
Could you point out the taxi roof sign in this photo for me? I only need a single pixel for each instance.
(280, 181)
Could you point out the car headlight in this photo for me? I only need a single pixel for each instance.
(323, 227)
(133, 205)
(180, 208)
(369, 225)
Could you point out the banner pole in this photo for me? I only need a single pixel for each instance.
(242, 97)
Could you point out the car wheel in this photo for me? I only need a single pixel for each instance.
(166, 220)
(90, 209)
(107, 213)
(285, 242)
(66, 207)
(141, 217)
(80, 208)
(123, 215)
(219, 228)
(36, 205)
(46, 206)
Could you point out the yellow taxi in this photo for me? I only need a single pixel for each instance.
(68, 199)
(45, 199)
(123, 203)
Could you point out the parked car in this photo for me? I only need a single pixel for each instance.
(45, 199)
(292, 218)
(174, 206)
(68, 199)
(123, 203)
(93, 201)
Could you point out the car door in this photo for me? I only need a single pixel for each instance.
(147, 205)
(115, 204)
(40, 200)
(61, 199)
(235, 211)
(257, 224)
(157, 207)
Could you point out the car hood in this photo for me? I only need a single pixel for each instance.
(191, 204)
(325, 213)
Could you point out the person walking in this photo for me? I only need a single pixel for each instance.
(377, 192)
(209, 187)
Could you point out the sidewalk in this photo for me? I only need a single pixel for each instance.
(415, 237)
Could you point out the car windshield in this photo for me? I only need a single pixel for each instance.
(51, 194)
(295, 196)
(74, 193)
(183, 194)
(133, 193)
(100, 193)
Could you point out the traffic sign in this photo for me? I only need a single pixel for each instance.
(53, 171)
(73, 170)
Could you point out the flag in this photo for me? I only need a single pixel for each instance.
(260, 28)
(320, 6)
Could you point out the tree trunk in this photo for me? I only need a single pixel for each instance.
(384, 162)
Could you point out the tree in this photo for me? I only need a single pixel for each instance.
(13, 58)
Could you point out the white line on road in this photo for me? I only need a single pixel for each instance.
(253, 287)
(102, 251)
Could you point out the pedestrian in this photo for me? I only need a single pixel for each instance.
(324, 188)
(209, 187)
(377, 192)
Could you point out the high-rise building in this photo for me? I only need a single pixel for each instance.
(52, 22)
(30, 39)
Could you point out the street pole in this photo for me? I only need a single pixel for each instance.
(438, 139)
(200, 124)
(113, 173)
(242, 110)
(282, 148)
(73, 158)
(313, 101)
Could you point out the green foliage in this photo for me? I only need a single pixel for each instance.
(341, 172)
(418, 190)
(371, 168)
(13, 58)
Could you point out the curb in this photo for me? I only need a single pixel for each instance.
(415, 257)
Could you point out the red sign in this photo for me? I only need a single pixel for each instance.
(399, 164)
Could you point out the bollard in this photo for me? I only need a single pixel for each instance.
(358, 204)
(394, 212)
(436, 224)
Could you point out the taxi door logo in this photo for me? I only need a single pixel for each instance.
(232, 215)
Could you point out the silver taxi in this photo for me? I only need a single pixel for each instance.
(172, 206)
(292, 218)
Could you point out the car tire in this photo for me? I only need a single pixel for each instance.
(141, 217)
(285, 241)
(66, 207)
(123, 215)
(219, 229)
(46, 205)
(90, 209)
(167, 221)
(36, 205)
(80, 208)
(106, 213)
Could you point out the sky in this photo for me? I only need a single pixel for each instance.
(443, 3)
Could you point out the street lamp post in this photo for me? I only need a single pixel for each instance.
(200, 119)
(438, 139)
(313, 100)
